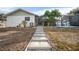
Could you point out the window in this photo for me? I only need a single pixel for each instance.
(27, 18)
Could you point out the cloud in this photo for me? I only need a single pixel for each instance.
(7, 9)
(63, 10)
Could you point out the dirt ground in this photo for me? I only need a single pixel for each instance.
(7, 33)
(63, 39)
(15, 39)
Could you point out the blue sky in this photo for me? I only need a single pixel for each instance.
(36, 10)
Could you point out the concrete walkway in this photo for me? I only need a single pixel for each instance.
(39, 42)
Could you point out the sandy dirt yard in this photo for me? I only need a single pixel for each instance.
(63, 39)
(15, 39)
(7, 33)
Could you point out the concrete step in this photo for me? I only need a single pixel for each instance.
(39, 35)
(39, 46)
(39, 38)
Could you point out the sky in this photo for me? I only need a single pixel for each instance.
(38, 6)
(36, 10)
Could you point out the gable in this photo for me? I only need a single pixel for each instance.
(19, 13)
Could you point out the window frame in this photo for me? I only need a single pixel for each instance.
(27, 18)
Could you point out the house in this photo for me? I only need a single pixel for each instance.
(58, 21)
(15, 18)
(74, 17)
(2, 21)
(65, 20)
(74, 20)
(62, 20)
(43, 20)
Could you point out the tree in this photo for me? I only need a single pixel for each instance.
(51, 16)
(55, 13)
(47, 13)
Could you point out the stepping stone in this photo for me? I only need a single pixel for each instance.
(39, 35)
(39, 38)
(39, 46)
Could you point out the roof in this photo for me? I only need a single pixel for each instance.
(20, 10)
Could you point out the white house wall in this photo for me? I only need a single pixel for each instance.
(16, 18)
(2, 24)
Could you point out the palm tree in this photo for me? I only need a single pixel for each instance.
(24, 23)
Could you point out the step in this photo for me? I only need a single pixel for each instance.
(39, 46)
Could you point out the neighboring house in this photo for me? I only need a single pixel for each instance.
(74, 18)
(65, 20)
(43, 20)
(16, 17)
(58, 21)
(2, 21)
(62, 20)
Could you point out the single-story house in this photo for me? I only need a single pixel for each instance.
(65, 20)
(15, 18)
(2, 21)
